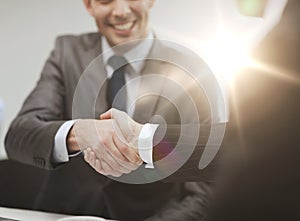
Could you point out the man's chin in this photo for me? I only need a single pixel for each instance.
(124, 42)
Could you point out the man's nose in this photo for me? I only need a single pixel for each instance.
(121, 8)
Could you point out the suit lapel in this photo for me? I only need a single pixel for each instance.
(151, 84)
(89, 98)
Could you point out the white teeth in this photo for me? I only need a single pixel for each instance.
(124, 27)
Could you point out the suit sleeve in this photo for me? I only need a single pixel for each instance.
(194, 138)
(30, 138)
(168, 142)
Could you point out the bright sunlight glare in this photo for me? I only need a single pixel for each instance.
(226, 55)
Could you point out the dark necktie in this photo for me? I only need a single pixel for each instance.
(115, 98)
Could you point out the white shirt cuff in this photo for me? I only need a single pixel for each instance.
(145, 144)
(60, 150)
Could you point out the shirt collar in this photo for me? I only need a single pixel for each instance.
(139, 52)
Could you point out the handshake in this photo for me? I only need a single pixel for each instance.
(110, 144)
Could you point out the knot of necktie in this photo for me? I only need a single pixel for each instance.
(117, 62)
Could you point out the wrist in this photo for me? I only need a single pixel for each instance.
(136, 130)
(72, 145)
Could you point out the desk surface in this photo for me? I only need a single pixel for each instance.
(29, 215)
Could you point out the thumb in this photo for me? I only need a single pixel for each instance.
(106, 115)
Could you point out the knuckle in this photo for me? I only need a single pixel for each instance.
(99, 170)
(85, 157)
(117, 174)
(128, 171)
(130, 166)
(104, 173)
(108, 171)
(105, 167)
(123, 170)
(92, 155)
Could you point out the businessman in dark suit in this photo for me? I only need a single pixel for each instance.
(74, 84)
(263, 182)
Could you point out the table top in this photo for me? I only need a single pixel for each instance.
(29, 215)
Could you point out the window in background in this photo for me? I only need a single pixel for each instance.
(255, 8)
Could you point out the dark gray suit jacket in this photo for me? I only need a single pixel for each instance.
(63, 93)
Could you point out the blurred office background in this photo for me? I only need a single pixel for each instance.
(215, 29)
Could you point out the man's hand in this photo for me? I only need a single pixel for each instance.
(129, 128)
(104, 146)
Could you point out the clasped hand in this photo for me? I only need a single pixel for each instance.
(109, 144)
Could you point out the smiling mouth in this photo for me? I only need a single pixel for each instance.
(123, 27)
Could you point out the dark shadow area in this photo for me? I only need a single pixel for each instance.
(19, 184)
